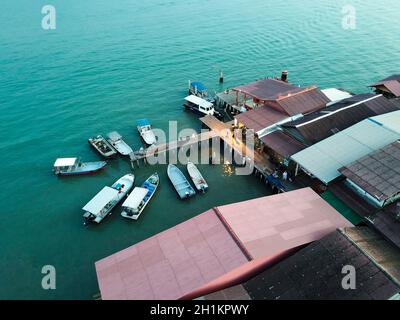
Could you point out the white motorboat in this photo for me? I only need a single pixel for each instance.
(197, 178)
(139, 198)
(102, 204)
(146, 131)
(180, 183)
(75, 167)
(115, 139)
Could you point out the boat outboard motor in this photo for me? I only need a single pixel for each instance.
(187, 194)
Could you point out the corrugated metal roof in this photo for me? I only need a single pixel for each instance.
(334, 94)
(324, 159)
(268, 89)
(303, 102)
(261, 118)
(282, 143)
(391, 83)
(319, 125)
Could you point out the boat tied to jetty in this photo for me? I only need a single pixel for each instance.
(180, 183)
(197, 178)
(115, 139)
(102, 204)
(146, 131)
(201, 106)
(140, 197)
(102, 146)
(75, 167)
(198, 89)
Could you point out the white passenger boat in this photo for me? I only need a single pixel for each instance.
(146, 131)
(102, 204)
(74, 167)
(197, 178)
(139, 198)
(115, 139)
(201, 106)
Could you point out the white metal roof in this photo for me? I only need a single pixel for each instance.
(199, 101)
(324, 159)
(335, 95)
(100, 200)
(389, 120)
(65, 162)
(135, 198)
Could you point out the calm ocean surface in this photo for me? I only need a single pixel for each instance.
(112, 62)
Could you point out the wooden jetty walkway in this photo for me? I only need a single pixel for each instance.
(217, 128)
(224, 131)
(172, 145)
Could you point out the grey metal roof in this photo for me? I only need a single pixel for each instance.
(378, 173)
(324, 159)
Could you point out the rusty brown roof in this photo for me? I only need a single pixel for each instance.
(303, 102)
(260, 118)
(282, 143)
(391, 83)
(268, 89)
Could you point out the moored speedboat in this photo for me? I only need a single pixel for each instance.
(197, 178)
(146, 131)
(74, 167)
(115, 139)
(102, 204)
(181, 184)
(102, 146)
(139, 198)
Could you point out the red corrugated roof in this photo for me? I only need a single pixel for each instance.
(260, 118)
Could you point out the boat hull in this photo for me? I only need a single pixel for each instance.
(197, 178)
(180, 183)
(84, 169)
(149, 196)
(109, 153)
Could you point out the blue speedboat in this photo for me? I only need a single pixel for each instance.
(181, 184)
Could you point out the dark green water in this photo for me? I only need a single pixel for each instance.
(109, 63)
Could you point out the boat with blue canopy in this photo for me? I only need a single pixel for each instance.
(146, 131)
(198, 89)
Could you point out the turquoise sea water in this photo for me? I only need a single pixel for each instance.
(109, 63)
